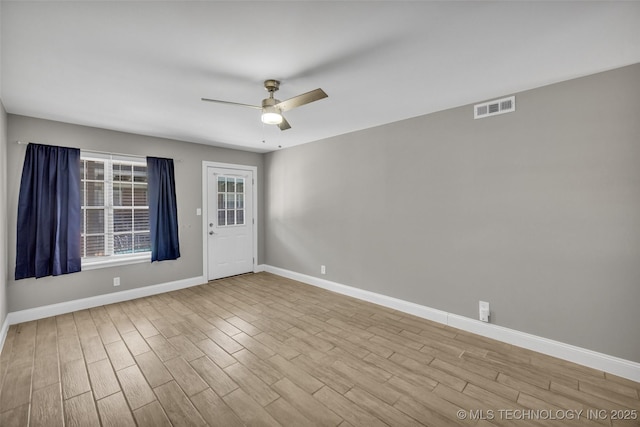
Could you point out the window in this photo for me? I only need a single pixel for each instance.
(230, 201)
(115, 209)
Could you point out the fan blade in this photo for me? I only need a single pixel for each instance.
(300, 100)
(231, 103)
(284, 125)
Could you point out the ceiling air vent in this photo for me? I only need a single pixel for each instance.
(495, 107)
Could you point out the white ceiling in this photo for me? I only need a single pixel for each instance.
(142, 67)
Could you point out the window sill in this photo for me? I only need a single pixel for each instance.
(115, 261)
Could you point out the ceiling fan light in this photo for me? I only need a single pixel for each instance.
(271, 116)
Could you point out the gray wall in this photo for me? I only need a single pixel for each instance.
(3, 215)
(3, 201)
(537, 211)
(29, 293)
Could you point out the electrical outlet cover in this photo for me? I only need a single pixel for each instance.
(484, 311)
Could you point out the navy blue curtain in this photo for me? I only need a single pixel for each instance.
(49, 216)
(163, 212)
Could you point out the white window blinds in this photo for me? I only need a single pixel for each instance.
(115, 208)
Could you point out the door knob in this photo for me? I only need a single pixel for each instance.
(211, 233)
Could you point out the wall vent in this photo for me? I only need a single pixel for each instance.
(495, 107)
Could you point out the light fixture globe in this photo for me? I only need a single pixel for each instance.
(271, 116)
(270, 113)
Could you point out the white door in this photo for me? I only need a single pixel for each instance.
(230, 222)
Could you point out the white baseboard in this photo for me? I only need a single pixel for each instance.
(571, 353)
(84, 303)
(3, 332)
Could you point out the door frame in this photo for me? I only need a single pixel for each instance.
(205, 210)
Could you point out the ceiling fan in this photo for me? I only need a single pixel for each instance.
(272, 108)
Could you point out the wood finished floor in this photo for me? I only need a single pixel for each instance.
(262, 350)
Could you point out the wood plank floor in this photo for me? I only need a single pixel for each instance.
(262, 350)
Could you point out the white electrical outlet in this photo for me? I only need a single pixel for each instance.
(116, 281)
(323, 269)
(484, 311)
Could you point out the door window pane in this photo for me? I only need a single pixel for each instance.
(231, 201)
(231, 185)
(231, 217)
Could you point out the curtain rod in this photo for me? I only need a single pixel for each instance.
(96, 151)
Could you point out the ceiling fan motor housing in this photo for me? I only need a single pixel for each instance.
(269, 102)
(271, 85)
